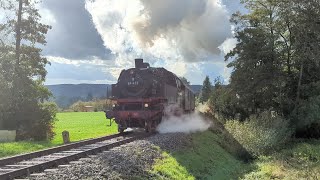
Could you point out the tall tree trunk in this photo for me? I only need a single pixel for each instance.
(18, 34)
(16, 77)
(299, 85)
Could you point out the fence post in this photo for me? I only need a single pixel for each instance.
(66, 137)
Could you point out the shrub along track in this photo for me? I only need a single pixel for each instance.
(24, 165)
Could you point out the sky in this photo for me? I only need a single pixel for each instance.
(91, 41)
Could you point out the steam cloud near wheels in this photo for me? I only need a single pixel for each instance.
(185, 123)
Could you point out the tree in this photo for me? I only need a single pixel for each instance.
(185, 81)
(89, 97)
(258, 76)
(276, 64)
(23, 71)
(206, 90)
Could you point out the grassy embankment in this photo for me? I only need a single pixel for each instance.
(81, 125)
(205, 158)
(299, 160)
(208, 158)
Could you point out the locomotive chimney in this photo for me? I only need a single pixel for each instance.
(139, 63)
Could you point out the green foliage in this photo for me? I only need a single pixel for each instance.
(297, 161)
(98, 105)
(43, 129)
(306, 118)
(23, 71)
(224, 103)
(206, 90)
(275, 62)
(308, 112)
(36, 122)
(260, 134)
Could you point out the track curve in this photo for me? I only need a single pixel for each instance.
(24, 165)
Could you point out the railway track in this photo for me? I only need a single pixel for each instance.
(26, 164)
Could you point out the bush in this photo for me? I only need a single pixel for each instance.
(306, 118)
(46, 123)
(98, 105)
(38, 124)
(260, 134)
(224, 104)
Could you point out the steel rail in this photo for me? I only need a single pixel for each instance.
(14, 159)
(25, 169)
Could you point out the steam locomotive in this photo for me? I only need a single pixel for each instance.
(142, 94)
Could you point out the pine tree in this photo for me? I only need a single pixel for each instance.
(206, 90)
(185, 81)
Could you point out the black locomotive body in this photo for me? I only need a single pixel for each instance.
(142, 94)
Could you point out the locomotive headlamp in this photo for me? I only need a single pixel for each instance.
(146, 105)
(113, 105)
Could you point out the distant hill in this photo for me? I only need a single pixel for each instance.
(67, 94)
(196, 88)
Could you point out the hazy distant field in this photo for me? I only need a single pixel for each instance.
(81, 125)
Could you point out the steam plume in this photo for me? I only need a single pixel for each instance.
(186, 123)
(189, 30)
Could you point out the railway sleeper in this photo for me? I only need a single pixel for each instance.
(49, 161)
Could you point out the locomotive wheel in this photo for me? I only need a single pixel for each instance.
(120, 129)
(148, 126)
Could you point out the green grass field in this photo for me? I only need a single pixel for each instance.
(81, 125)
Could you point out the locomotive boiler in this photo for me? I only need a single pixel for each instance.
(142, 94)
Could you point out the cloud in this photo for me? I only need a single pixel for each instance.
(73, 34)
(188, 37)
(189, 30)
(195, 28)
(64, 70)
(228, 45)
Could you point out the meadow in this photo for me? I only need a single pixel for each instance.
(80, 125)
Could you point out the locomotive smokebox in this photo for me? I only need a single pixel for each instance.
(140, 64)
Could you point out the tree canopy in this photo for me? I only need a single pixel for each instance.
(276, 60)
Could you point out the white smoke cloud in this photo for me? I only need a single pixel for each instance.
(174, 31)
(189, 123)
(187, 37)
(186, 123)
(195, 28)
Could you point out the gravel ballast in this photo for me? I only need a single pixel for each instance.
(130, 161)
